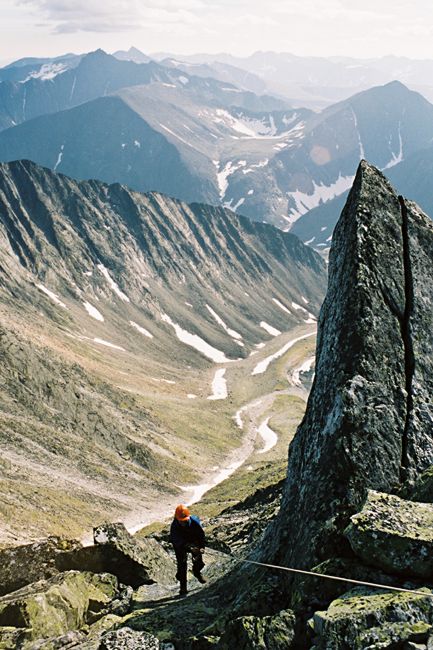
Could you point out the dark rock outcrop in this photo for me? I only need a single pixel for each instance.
(134, 562)
(21, 565)
(368, 420)
(394, 535)
(360, 619)
(319, 592)
(422, 489)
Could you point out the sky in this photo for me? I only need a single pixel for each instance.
(363, 29)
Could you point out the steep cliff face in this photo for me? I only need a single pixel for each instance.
(368, 423)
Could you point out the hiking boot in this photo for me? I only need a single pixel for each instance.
(183, 591)
(200, 578)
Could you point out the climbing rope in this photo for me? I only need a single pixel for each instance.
(325, 575)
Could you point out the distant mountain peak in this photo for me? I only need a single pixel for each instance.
(135, 50)
(99, 53)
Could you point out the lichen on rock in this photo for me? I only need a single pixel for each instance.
(255, 633)
(50, 608)
(394, 535)
(349, 619)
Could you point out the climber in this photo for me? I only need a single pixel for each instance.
(187, 536)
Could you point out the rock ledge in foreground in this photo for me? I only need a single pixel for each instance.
(394, 535)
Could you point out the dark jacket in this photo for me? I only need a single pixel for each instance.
(191, 534)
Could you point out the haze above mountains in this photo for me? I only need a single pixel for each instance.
(219, 129)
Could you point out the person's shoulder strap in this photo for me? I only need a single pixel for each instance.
(196, 519)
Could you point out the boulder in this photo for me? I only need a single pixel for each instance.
(65, 602)
(394, 535)
(127, 639)
(254, 633)
(363, 617)
(22, 565)
(134, 561)
(368, 423)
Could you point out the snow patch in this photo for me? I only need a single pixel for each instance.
(51, 295)
(197, 491)
(305, 367)
(321, 193)
(271, 330)
(176, 136)
(238, 418)
(261, 367)
(238, 204)
(222, 175)
(93, 312)
(47, 72)
(108, 344)
(219, 320)
(270, 438)
(59, 158)
(140, 329)
(396, 158)
(113, 284)
(281, 306)
(219, 385)
(196, 342)
(361, 146)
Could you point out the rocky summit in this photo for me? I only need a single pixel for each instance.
(368, 423)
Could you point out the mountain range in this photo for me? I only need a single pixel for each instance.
(317, 82)
(155, 127)
(116, 311)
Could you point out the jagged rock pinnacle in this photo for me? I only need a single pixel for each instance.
(368, 423)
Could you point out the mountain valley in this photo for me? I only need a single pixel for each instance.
(121, 313)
